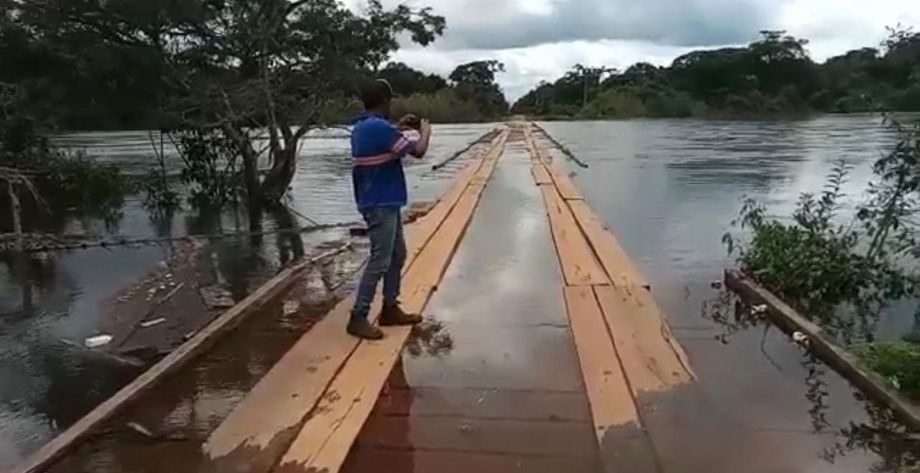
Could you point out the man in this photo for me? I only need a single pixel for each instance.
(377, 150)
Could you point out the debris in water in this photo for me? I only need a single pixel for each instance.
(465, 428)
(98, 341)
(152, 323)
(216, 297)
(717, 284)
(291, 307)
(139, 429)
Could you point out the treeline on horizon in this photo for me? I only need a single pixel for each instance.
(772, 76)
(76, 66)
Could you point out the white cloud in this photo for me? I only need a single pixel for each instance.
(541, 39)
(526, 67)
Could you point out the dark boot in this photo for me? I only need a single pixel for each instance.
(360, 327)
(394, 315)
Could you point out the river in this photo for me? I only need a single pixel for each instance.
(668, 188)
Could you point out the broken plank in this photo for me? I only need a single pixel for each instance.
(623, 444)
(613, 258)
(63, 443)
(579, 265)
(326, 438)
(650, 357)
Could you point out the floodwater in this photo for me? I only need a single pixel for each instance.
(669, 189)
(46, 383)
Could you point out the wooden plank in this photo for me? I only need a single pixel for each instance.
(419, 233)
(621, 439)
(824, 347)
(261, 427)
(325, 439)
(567, 189)
(540, 174)
(650, 357)
(579, 266)
(613, 258)
(204, 339)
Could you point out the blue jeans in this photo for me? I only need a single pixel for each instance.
(388, 255)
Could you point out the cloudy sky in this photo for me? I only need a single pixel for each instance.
(541, 39)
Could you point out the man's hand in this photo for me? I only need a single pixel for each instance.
(421, 146)
(409, 122)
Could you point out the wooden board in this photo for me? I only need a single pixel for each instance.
(613, 258)
(567, 189)
(621, 439)
(579, 265)
(823, 345)
(419, 235)
(646, 347)
(181, 356)
(540, 174)
(326, 438)
(260, 428)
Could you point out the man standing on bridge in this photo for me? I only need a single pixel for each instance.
(377, 150)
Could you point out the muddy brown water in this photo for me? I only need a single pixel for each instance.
(669, 190)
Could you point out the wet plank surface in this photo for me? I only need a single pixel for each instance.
(623, 444)
(578, 262)
(505, 393)
(613, 258)
(324, 440)
(261, 428)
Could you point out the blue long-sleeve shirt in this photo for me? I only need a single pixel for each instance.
(377, 149)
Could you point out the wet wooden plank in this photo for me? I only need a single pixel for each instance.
(262, 426)
(380, 460)
(567, 189)
(496, 436)
(652, 360)
(325, 439)
(824, 346)
(621, 439)
(483, 403)
(181, 356)
(579, 265)
(540, 174)
(613, 258)
(418, 234)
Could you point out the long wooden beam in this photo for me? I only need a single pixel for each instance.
(181, 356)
(824, 346)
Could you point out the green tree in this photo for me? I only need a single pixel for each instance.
(239, 66)
(476, 81)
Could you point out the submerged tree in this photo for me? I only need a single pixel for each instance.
(243, 68)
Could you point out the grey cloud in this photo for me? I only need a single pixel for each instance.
(673, 22)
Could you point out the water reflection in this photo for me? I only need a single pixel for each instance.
(880, 433)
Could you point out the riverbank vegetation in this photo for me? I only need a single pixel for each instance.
(234, 84)
(844, 266)
(772, 76)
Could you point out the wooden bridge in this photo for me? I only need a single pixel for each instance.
(548, 352)
(548, 355)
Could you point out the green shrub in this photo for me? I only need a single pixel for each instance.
(442, 107)
(899, 362)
